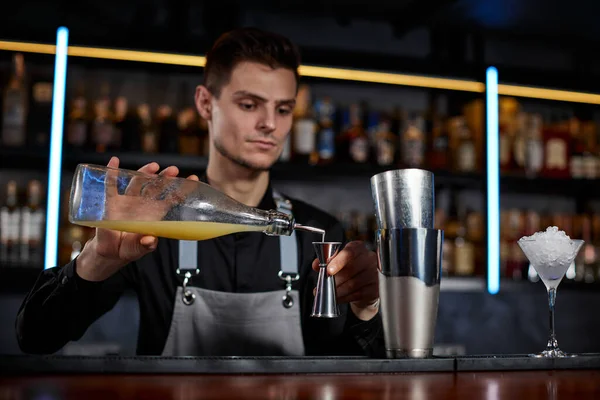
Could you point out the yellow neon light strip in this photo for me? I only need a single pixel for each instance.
(392, 79)
(140, 56)
(548, 94)
(316, 72)
(28, 47)
(304, 70)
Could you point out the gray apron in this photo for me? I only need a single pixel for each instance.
(213, 323)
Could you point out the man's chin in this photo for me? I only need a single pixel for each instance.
(258, 165)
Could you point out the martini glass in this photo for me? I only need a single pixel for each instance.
(551, 257)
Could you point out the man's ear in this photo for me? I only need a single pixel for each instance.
(203, 100)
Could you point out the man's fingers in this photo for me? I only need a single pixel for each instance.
(150, 168)
(113, 162)
(315, 264)
(135, 184)
(170, 171)
(110, 180)
(193, 178)
(347, 254)
(364, 261)
(148, 241)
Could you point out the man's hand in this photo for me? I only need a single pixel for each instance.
(109, 250)
(356, 279)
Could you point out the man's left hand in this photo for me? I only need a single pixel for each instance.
(356, 279)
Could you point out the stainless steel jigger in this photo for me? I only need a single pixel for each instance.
(325, 303)
(409, 253)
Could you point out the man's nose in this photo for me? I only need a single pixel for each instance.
(266, 123)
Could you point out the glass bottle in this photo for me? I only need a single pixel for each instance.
(15, 101)
(170, 207)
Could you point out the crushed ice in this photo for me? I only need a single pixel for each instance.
(550, 248)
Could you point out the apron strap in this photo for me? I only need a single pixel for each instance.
(288, 252)
(188, 258)
(188, 265)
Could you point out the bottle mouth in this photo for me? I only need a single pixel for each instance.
(280, 224)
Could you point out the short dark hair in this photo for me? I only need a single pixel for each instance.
(247, 44)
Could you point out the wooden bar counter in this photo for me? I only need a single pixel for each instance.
(119, 379)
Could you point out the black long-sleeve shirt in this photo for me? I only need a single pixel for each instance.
(61, 305)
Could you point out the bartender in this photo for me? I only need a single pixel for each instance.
(244, 294)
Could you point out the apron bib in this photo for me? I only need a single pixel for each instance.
(212, 323)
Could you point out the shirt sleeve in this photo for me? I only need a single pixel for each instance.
(367, 334)
(61, 306)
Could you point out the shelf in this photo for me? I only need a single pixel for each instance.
(567, 187)
(134, 160)
(24, 158)
(462, 284)
(281, 171)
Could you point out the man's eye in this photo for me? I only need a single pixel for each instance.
(285, 111)
(247, 106)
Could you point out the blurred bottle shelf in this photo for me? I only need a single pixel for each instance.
(37, 159)
(567, 187)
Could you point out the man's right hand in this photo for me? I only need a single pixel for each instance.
(108, 251)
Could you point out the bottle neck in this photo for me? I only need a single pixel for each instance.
(280, 224)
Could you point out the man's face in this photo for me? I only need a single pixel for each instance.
(253, 114)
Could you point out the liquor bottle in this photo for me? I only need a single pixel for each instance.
(286, 151)
(32, 226)
(438, 158)
(189, 141)
(578, 147)
(520, 143)
(412, 142)
(10, 221)
(508, 128)
(325, 112)
(475, 233)
(77, 121)
(464, 249)
(557, 150)
(358, 140)
(120, 122)
(126, 128)
(386, 143)
(103, 128)
(304, 127)
(534, 147)
(505, 149)
(374, 121)
(149, 130)
(168, 130)
(15, 106)
(590, 160)
(465, 152)
(40, 112)
(451, 226)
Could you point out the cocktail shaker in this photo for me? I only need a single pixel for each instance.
(409, 252)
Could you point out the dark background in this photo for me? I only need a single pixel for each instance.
(533, 42)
